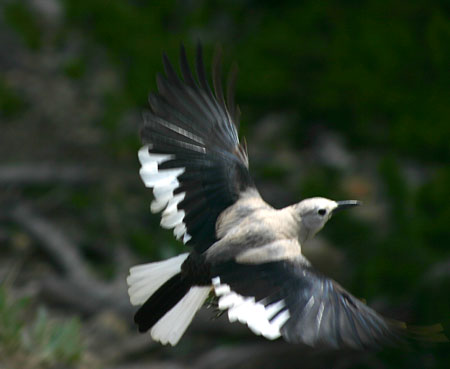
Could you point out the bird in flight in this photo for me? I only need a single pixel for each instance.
(244, 252)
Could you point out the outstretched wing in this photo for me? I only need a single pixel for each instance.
(192, 157)
(289, 298)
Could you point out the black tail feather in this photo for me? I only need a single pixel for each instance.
(164, 299)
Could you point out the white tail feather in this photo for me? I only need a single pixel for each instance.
(171, 326)
(145, 279)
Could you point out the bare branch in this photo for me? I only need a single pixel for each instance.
(151, 365)
(224, 357)
(45, 173)
(79, 288)
(52, 240)
(131, 345)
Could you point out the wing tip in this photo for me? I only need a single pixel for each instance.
(428, 333)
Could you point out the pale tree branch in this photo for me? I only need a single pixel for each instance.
(45, 173)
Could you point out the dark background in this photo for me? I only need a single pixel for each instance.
(345, 100)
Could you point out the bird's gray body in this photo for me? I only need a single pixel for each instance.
(252, 231)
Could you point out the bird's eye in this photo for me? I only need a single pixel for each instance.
(322, 212)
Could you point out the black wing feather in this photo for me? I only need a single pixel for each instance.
(186, 70)
(217, 78)
(193, 125)
(322, 313)
(232, 107)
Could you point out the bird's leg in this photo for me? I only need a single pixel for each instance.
(213, 303)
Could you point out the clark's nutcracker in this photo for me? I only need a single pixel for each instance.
(241, 249)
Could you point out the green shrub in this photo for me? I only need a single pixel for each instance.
(34, 340)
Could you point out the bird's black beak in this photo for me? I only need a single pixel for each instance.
(346, 204)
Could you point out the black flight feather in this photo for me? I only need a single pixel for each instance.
(194, 126)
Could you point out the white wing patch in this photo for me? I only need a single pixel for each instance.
(248, 311)
(164, 182)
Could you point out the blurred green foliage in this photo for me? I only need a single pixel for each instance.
(375, 70)
(36, 341)
(11, 102)
(21, 19)
(75, 68)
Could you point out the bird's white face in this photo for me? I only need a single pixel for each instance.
(315, 212)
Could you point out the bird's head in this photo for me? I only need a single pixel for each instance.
(313, 213)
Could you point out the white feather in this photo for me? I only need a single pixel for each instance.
(186, 237)
(247, 311)
(172, 206)
(157, 205)
(259, 322)
(145, 279)
(222, 289)
(163, 194)
(165, 191)
(173, 219)
(145, 157)
(171, 326)
(164, 182)
(179, 230)
(159, 178)
(243, 311)
(272, 309)
(229, 300)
